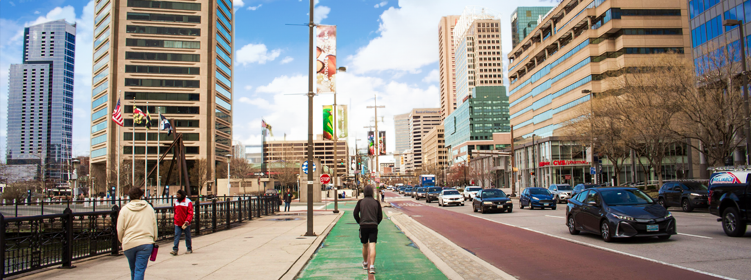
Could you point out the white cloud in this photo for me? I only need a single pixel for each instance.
(382, 4)
(287, 60)
(68, 13)
(36, 12)
(320, 13)
(256, 53)
(236, 4)
(248, 88)
(431, 77)
(253, 8)
(260, 102)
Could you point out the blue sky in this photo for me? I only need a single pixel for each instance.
(390, 49)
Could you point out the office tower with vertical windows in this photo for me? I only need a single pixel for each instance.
(40, 100)
(168, 57)
(446, 67)
(421, 121)
(524, 20)
(711, 41)
(401, 135)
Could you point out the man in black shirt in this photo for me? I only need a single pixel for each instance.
(368, 215)
(287, 199)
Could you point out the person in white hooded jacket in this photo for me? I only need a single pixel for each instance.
(137, 231)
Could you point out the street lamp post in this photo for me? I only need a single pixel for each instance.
(336, 141)
(229, 158)
(311, 25)
(744, 83)
(591, 132)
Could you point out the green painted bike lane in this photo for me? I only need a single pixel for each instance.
(340, 255)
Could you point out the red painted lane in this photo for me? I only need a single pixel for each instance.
(530, 255)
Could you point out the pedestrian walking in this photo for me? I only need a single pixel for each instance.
(183, 218)
(287, 199)
(383, 195)
(368, 215)
(137, 231)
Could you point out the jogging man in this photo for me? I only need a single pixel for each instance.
(368, 215)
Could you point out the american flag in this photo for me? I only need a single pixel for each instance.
(117, 115)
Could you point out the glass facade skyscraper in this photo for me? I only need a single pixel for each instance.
(524, 20)
(40, 99)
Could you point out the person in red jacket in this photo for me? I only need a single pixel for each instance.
(183, 218)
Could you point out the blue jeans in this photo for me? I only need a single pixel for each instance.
(138, 258)
(179, 231)
(286, 206)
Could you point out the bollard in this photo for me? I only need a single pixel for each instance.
(228, 212)
(68, 241)
(115, 250)
(213, 216)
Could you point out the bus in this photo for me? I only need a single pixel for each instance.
(427, 181)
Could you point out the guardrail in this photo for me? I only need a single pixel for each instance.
(34, 242)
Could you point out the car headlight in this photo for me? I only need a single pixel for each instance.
(487, 203)
(535, 198)
(627, 218)
(508, 202)
(668, 215)
(696, 194)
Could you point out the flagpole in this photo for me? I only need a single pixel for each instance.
(133, 145)
(146, 151)
(117, 192)
(158, 143)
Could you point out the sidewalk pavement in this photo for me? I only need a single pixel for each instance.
(340, 256)
(265, 248)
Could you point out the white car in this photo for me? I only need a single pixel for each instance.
(470, 192)
(561, 192)
(448, 197)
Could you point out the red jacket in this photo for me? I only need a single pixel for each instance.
(183, 212)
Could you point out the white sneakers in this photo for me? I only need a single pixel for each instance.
(371, 270)
(365, 265)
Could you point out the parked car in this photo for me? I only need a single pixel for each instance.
(562, 192)
(618, 213)
(536, 197)
(470, 192)
(421, 192)
(686, 194)
(450, 196)
(580, 187)
(491, 199)
(432, 194)
(730, 198)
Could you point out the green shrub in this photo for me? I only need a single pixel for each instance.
(652, 187)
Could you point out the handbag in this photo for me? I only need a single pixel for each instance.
(154, 251)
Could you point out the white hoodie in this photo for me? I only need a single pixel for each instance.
(136, 224)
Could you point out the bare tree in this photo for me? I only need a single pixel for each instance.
(199, 173)
(241, 169)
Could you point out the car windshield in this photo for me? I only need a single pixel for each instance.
(434, 189)
(450, 193)
(493, 193)
(539, 191)
(564, 188)
(625, 197)
(471, 189)
(591, 186)
(695, 186)
(420, 189)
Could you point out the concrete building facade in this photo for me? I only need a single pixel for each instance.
(421, 121)
(446, 67)
(173, 58)
(524, 20)
(40, 100)
(477, 58)
(435, 148)
(296, 151)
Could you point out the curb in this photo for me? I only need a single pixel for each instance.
(299, 265)
(442, 266)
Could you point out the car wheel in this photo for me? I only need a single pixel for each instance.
(521, 206)
(662, 202)
(572, 226)
(664, 237)
(732, 224)
(686, 205)
(482, 209)
(553, 208)
(510, 209)
(605, 232)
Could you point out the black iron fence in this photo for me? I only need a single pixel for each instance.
(34, 242)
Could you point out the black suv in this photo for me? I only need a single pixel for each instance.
(433, 193)
(686, 194)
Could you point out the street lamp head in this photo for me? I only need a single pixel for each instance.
(228, 155)
(731, 22)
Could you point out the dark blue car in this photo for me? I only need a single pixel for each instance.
(537, 197)
(492, 199)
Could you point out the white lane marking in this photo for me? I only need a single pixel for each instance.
(611, 250)
(699, 236)
(560, 217)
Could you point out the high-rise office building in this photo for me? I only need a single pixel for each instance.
(421, 121)
(524, 20)
(401, 133)
(477, 46)
(173, 58)
(710, 40)
(40, 99)
(575, 48)
(446, 67)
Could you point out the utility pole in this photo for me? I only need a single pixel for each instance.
(311, 25)
(376, 150)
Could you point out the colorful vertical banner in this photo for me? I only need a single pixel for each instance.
(382, 142)
(328, 123)
(341, 121)
(325, 64)
(371, 144)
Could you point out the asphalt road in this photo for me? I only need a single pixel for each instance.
(532, 244)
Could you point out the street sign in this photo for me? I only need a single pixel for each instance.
(305, 167)
(567, 177)
(311, 182)
(325, 178)
(592, 170)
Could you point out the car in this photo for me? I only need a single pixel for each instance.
(491, 199)
(537, 197)
(686, 194)
(562, 192)
(730, 198)
(449, 197)
(618, 213)
(470, 192)
(433, 193)
(580, 187)
(408, 191)
(421, 192)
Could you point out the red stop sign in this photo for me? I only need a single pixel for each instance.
(325, 178)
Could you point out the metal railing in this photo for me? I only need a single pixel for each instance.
(34, 242)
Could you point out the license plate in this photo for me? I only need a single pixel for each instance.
(653, 227)
(546, 204)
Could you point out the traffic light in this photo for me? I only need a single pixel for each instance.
(532, 173)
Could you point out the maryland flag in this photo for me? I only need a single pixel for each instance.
(148, 120)
(138, 115)
(267, 127)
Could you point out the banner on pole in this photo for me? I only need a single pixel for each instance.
(341, 121)
(371, 144)
(325, 64)
(328, 123)
(382, 142)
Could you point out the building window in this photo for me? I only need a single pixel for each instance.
(161, 83)
(162, 56)
(165, 5)
(164, 17)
